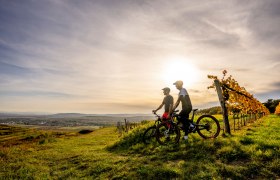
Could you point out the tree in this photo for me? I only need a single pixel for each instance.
(271, 104)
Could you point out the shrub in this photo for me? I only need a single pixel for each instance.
(85, 131)
(277, 110)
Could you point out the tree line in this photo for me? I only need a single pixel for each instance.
(271, 104)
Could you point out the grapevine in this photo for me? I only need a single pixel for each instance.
(277, 110)
(238, 100)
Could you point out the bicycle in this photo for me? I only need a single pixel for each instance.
(207, 126)
(149, 133)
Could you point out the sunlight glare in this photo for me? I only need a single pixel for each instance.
(180, 69)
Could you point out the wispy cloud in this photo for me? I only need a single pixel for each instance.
(274, 94)
(264, 20)
(276, 85)
(29, 94)
(14, 70)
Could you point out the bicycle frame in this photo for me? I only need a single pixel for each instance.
(171, 120)
(191, 120)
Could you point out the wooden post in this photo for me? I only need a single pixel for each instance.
(236, 121)
(239, 121)
(223, 105)
(126, 130)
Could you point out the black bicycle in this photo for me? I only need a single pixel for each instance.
(150, 134)
(168, 132)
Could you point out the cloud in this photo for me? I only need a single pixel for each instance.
(276, 85)
(35, 94)
(13, 70)
(264, 22)
(274, 94)
(195, 91)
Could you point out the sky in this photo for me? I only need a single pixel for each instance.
(109, 56)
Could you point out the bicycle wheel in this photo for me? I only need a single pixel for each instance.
(208, 126)
(149, 135)
(165, 135)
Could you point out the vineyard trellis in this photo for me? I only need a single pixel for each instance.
(240, 120)
(236, 100)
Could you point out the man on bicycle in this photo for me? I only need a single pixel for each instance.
(184, 99)
(167, 103)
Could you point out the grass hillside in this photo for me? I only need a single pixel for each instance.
(251, 153)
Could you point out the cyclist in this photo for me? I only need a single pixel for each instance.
(184, 99)
(167, 103)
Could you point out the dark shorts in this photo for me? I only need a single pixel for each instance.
(184, 118)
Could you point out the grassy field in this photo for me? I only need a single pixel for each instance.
(250, 153)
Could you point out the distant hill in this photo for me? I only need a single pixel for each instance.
(71, 119)
(212, 110)
(67, 115)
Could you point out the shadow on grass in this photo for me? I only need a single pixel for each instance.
(85, 131)
(198, 158)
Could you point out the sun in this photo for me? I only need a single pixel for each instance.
(180, 69)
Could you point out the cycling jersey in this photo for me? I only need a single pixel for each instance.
(185, 100)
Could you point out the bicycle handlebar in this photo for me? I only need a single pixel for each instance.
(173, 113)
(156, 115)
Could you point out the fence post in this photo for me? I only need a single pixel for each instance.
(233, 121)
(223, 105)
(126, 128)
(236, 121)
(239, 121)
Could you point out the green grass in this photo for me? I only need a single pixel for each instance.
(250, 153)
